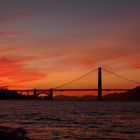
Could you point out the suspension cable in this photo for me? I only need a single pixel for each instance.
(117, 75)
(70, 82)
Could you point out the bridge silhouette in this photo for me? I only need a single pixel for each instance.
(50, 91)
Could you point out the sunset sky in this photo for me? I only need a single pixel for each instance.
(45, 43)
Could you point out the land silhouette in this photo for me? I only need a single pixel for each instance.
(6, 94)
(130, 95)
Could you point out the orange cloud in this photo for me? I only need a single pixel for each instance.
(13, 71)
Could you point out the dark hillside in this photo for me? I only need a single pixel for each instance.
(130, 95)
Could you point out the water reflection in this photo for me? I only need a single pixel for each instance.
(73, 120)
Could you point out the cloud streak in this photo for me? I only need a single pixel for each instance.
(14, 72)
(10, 34)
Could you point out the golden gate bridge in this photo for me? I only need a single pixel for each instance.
(51, 91)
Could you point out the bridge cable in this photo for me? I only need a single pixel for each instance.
(70, 82)
(130, 80)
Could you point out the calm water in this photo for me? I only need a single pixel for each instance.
(73, 120)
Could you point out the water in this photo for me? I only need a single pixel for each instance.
(73, 120)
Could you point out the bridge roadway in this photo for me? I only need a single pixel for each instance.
(44, 90)
(50, 92)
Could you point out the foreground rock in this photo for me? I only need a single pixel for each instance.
(7, 133)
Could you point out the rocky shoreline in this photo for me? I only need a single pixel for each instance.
(7, 133)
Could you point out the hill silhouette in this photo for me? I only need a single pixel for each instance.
(69, 98)
(6, 94)
(130, 95)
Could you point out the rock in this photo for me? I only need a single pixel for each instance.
(7, 133)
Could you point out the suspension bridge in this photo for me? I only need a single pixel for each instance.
(51, 91)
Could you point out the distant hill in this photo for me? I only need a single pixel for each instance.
(75, 98)
(130, 95)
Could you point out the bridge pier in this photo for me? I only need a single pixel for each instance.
(50, 94)
(35, 92)
(99, 84)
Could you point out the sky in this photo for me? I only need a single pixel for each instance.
(45, 43)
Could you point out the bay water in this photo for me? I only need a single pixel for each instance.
(73, 120)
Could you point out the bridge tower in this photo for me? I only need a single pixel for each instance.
(50, 95)
(99, 83)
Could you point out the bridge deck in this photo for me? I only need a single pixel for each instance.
(44, 90)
